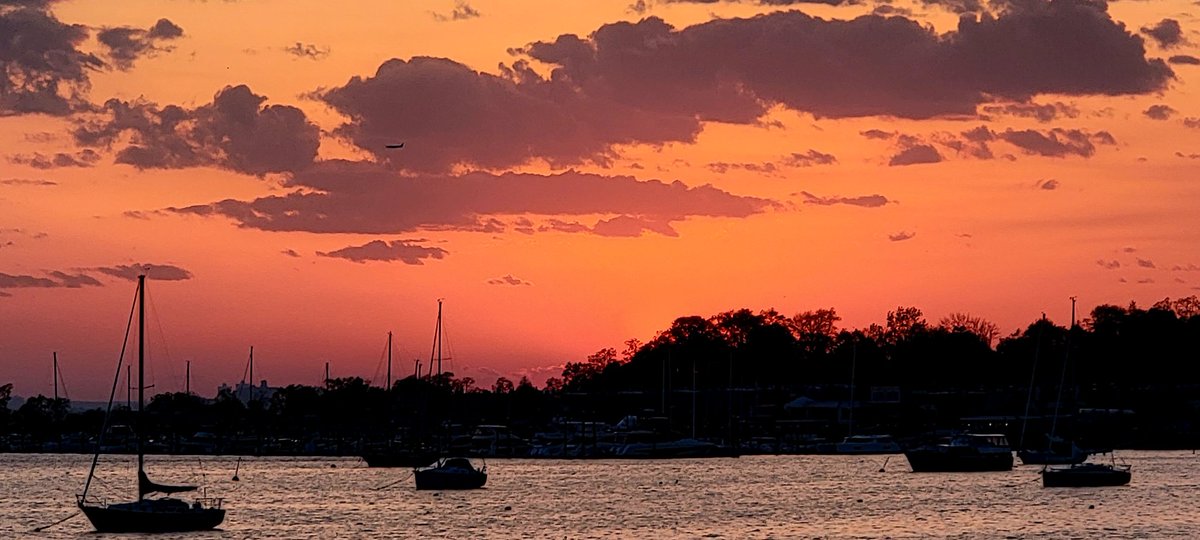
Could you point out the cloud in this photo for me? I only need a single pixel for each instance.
(957, 6)
(866, 201)
(1188, 268)
(1109, 265)
(44, 71)
(808, 159)
(236, 132)
(877, 134)
(53, 279)
(462, 11)
(1159, 112)
(1145, 263)
(161, 272)
(1042, 112)
(722, 167)
(1167, 33)
(83, 158)
(1144, 281)
(1187, 156)
(1184, 59)
(25, 182)
(564, 226)
(1192, 122)
(651, 83)
(1048, 184)
(406, 251)
(307, 50)
(915, 155)
(1057, 142)
(901, 236)
(358, 197)
(290, 253)
(125, 44)
(508, 280)
(633, 226)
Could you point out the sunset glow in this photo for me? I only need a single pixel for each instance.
(574, 174)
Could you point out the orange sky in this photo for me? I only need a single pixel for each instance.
(802, 124)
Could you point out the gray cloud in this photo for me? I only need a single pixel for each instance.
(1109, 265)
(461, 12)
(1159, 112)
(1043, 112)
(1184, 59)
(1167, 33)
(915, 155)
(236, 132)
(307, 50)
(808, 159)
(633, 226)
(83, 158)
(290, 253)
(866, 201)
(1192, 122)
(45, 72)
(125, 45)
(509, 280)
(25, 182)
(901, 236)
(161, 272)
(406, 251)
(359, 197)
(1048, 184)
(1145, 263)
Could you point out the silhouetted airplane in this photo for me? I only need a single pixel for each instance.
(401, 145)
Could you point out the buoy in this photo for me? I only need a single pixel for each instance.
(1091, 507)
(508, 508)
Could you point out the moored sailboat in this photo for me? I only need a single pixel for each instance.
(147, 515)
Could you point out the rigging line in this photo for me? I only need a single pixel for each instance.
(112, 394)
(63, 382)
(162, 334)
(1037, 347)
(379, 364)
(44, 527)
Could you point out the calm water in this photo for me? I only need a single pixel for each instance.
(749, 497)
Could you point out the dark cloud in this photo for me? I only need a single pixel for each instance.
(359, 197)
(125, 45)
(1145, 263)
(1159, 112)
(808, 159)
(650, 83)
(1187, 156)
(1109, 265)
(1042, 112)
(1048, 184)
(564, 226)
(722, 167)
(1145, 281)
(307, 50)
(960, 7)
(462, 11)
(290, 253)
(877, 134)
(236, 131)
(1057, 142)
(901, 236)
(915, 155)
(1188, 268)
(161, 272)
(75, 281)
(1184, 59)
(406, 251)
(1192, 122)
(866, 201)
(52, 279)
(25, 182)
(633, 226)
(508, 280)
(44, 71)
(83, 158)
(1167, 33)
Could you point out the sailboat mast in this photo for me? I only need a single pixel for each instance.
(187, 384)
(389, 369)
(55, 377)
(439, 336)
(853, 367)
(1062, 379)
(251, 396)
(141, 377)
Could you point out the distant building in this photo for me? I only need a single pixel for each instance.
(245, 392)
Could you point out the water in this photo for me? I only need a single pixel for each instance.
(748, 497)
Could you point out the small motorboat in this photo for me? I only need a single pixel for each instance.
(1086, 475)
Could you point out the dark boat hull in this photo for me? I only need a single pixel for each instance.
(1091, 477)
(123, 520)
(442, 480)
(935, 461)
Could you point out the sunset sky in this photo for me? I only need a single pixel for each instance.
(574, 174)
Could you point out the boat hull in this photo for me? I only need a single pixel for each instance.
(1085, 477)
(935, 461)
(115, 519)
(434, 479)
(1033, 457)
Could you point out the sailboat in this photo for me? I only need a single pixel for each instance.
(394, 454)
(1083, 474)
(147, 515)
(1058, 450)
(448, 472)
